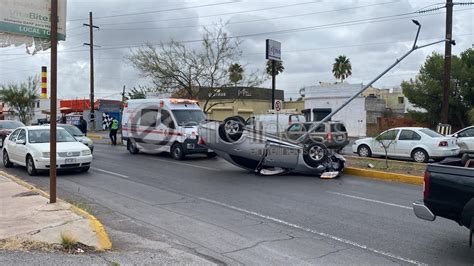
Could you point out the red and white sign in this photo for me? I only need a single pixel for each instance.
(278, 105)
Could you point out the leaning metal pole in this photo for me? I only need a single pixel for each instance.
(414, 47)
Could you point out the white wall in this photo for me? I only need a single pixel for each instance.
(333, 96)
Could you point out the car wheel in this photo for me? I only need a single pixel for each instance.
(364, 151)
(315, 154)
(177, 151)
(211, 154)
(30, 166)
(231, 129)
(420, 156)
(132, 146)
(6, 160)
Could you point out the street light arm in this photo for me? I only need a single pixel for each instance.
(414, 47)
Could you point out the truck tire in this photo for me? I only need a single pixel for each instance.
(231, 129)
(420, 156)
(315, 154)
(132, 146)
(177, 151)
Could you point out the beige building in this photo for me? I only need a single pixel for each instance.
(242, 101)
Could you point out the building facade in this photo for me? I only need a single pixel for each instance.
(242, 101)
(358, 116)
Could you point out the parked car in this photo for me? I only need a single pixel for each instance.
(29, 146)
(465, 139)
(78, 135)
(420, 144)
(7, 127)
(333, 133)
(274, 123)
(448, 192)
(268, 154)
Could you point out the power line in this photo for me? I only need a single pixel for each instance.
(156, 11)
(254, 20)
(213, 15)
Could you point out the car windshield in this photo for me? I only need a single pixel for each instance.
(73, 130)
(42, 136)
(189, 117)
(431, 133)
(11, 124)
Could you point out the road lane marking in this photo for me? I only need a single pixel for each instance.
(335, 238)
(186, 164)
(371, 200)
(109, 172)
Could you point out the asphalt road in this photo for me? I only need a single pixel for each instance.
(222, 213)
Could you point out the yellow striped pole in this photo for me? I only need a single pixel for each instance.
(44, 83)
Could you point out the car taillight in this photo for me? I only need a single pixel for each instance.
(426, 184)
(329, 136)
(201, 141)
(443, 144)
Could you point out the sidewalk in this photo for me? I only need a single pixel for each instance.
(27, 215)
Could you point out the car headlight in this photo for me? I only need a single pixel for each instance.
(45, 154)
(86, 152)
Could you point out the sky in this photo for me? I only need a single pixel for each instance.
(372, 34)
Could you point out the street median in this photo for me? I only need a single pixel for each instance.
(387, 176)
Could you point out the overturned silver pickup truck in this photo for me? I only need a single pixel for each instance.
(267, 154)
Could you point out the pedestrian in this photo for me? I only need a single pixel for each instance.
(113, 131)
(83, 125)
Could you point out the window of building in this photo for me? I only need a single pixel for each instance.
(37, 104)
(401, 100)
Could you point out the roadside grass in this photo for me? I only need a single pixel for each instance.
(68, 241)
(400, 167)
(21, 244)
(82, 205)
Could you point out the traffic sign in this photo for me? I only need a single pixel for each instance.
(278, 105)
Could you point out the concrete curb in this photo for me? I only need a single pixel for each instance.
(94, 136)
(102, 236)
(401, 178)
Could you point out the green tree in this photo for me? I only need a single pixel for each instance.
(236, 73)
(426, 91)
(138, 93)
(21, 98)
(342, 68)
(278, 67)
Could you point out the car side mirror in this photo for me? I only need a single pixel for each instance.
(455, 135)
(20, 141)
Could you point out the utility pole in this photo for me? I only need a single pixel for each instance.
(273, 83)
(447, 61)
(54, 80)
(91, 45)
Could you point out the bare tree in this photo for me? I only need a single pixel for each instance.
(179, 70)
(385, 140)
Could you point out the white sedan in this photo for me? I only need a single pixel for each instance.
(417, 143)
(29, 146)
(465, 139)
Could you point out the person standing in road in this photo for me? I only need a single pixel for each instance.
(113, 131)
(83, 125)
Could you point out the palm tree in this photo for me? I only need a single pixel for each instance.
(236, 73)
(278, 67)
(21, 98)
(342, 68)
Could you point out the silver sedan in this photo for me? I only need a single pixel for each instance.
(267, 154)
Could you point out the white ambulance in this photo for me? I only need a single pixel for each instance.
(163, 125)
